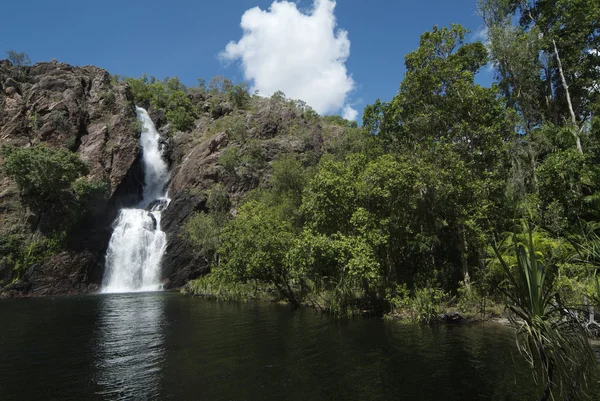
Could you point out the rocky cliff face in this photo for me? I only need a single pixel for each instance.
(256, 137)
(82, 109)
(75, 108)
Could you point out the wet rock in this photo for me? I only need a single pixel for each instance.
(453, 317)
(157, 205)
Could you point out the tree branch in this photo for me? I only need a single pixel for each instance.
(564, 83)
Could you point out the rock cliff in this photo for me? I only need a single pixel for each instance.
(79, 109)
(84, 110)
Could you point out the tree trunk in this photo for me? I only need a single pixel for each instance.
(571, 111)
(464, 257)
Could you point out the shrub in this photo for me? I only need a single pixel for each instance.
(89, 195)
(108, 99)
(238, 96)
(425, 304)
(20, 254)
(230, 159)
(42, 173)
(255, 156)
(52, 183)
(181, 119)
(180, 110)
(234, 126)
(203, 232)
(218, 199)
(19, 60)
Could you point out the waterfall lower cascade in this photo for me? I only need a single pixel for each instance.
(137, 244)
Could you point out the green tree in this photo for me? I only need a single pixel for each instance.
(459, 129)
(42, 173)
(53, 183)
(254, 247)
(219, 84)
(19, 60)
(238, 96)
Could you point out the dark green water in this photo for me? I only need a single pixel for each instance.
(169, 347)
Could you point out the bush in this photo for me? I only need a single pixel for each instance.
(90, 196)
(289, 177)
(52, 183)
(43, 174)
(425, 304)
(203, 232)
(213, 286)
(230, 159)
(254, 249)
(181, 119)
(255, 156)
(238, 96)
(180, 111)
(20, 254)
(233, 125)
(169, 95)
(218, 199)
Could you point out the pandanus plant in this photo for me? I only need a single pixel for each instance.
(551, 338)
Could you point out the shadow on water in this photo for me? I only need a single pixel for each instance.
(130, 346)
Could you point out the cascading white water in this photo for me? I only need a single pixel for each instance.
(137, 244)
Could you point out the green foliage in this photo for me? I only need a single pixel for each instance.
(424, 306)
(238, 96)
(254, 156)
(214, 286)
(230, 159)
(20, 253)
(234, 125)
(52, 182)
(219, 84)
(342, 122)
(19, 60)
(43, 174)
(289, 178)
(551, 338)
(203, 231)
(180, 111)
(169, 95)
(254, 247)
(90, 196)
(218, 199)
(399, 215)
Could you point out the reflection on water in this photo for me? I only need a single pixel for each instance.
(167, 347)
(130, 346)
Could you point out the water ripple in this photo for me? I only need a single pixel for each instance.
(130, 346)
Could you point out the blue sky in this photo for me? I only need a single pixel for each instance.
(184, 38)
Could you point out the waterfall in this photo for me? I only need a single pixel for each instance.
(137, 244)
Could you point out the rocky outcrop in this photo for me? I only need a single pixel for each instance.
(271, 130)
(71, 107)
(80, 109)
(83, 110)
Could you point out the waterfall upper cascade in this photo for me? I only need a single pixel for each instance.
(137, 244)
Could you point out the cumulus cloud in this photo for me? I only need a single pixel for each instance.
(301, 54)
(349, 113)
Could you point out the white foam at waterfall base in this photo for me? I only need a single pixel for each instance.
(137, 245)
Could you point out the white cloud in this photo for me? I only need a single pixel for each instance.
(303, 55)
(349, 113)
(482, 34)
